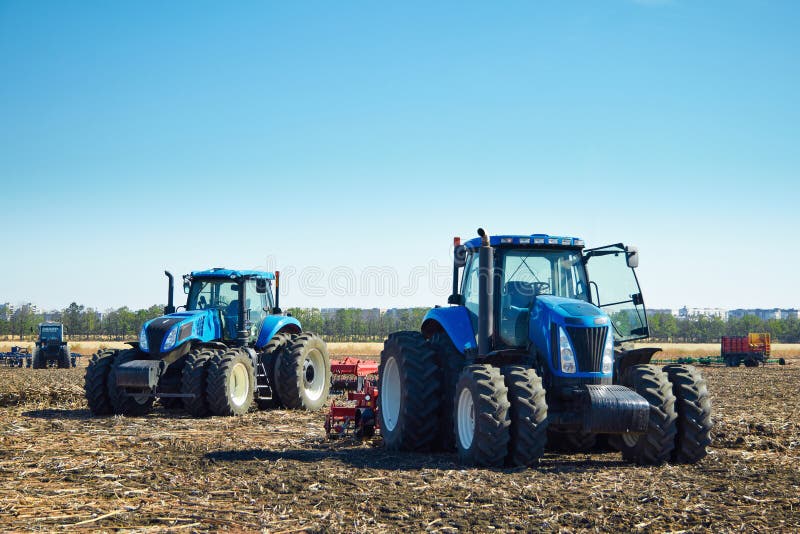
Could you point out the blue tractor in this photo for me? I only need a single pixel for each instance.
(534, 352)
(50, 350)
(228, 348)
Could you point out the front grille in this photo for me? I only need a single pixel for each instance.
(588, 344)
(156, 332)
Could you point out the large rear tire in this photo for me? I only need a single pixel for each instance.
(231, 383)
(409, 382)
(95, 383)
(39, 360)
(528, 414)
(269, 360)
(656, 445)
(450, 362)
(303, 373)
(694, 413)
(123, 402)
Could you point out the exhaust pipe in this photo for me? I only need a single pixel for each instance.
(277, 292)
(170, 307)
(485, 293)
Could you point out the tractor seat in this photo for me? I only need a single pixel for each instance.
(519, 294)
(232, 318)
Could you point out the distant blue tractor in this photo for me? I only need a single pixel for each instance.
(50, 349)
(532, 353)
(229, 347)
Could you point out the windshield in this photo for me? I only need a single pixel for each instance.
(51, 332)
(207, 293)
(527, 273)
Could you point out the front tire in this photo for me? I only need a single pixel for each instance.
(231, 383)
(482, 419)
(303, 373)
(95, 383)
(125, 403)
(693, 406)
(528, 414)
(656, 445)
(409, 383)
(194, 382)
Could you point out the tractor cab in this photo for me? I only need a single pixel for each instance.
(50, 334)
(529, 279)
(225, 295)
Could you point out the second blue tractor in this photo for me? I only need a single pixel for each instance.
(229, 347)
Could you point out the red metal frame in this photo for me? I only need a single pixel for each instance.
(362, 415)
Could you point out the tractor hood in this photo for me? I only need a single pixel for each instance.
(168, 332)
(564, 311)
(585, 326)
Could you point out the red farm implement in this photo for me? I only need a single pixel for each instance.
(359, 414)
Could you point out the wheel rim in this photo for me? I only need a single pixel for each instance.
(466, 418)
(238, 383)
(630, 439)
(140, 399)
(314, 374)
(390, 395)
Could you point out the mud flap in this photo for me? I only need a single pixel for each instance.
(615, 409)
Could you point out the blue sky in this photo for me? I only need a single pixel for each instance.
(331, 139)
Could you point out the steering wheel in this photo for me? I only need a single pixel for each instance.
(541, 288)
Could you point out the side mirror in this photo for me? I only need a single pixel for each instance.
(632, 256)
(460, 256)
(261, 285)
(186, 286)
(456, 299)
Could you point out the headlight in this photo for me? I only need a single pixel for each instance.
(143, 339)
(567, 357)
(608, 354)
(169, 342)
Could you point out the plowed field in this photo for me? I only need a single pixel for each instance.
(275, 471)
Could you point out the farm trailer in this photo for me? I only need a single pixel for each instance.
(750, 350)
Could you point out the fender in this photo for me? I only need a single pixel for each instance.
(274, 324)
(455, 322)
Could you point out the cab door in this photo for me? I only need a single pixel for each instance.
(615, 289)
(255, 308)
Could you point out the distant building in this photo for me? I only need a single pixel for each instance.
(765, 314)
(687, 313)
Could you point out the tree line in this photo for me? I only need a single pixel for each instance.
(86, 323)
(80, 322)
(354, 324)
